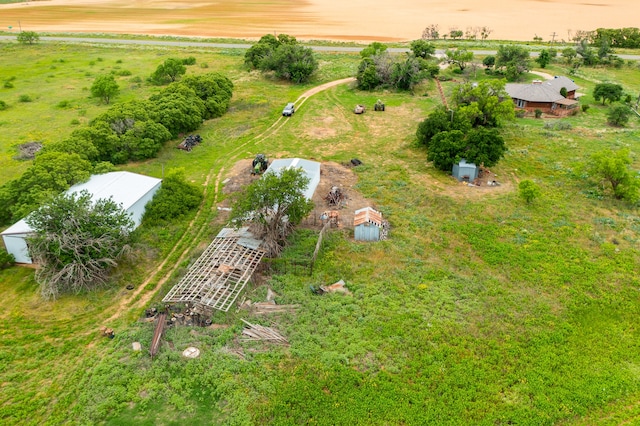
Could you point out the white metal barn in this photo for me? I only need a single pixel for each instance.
(311, 169)
(130, 190)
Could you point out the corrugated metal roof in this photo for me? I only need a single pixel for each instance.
(245, 237)
(125, 188)
(367, 215)
(311, 169)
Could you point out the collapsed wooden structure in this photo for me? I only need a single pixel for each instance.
(216, 279)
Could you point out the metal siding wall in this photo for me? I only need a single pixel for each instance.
(17, 246)
(367, 233)
(137, 210)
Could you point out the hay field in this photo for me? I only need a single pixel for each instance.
(358, 20)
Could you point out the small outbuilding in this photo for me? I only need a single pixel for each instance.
(367, 224)
(465, 171)
(130, 190)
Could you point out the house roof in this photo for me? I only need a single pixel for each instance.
(124, 188)
(535, 92)
(545, 91)
(367, 215)
(560, 81)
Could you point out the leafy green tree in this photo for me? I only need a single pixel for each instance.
(170, 70)
(489, 61)
(274, 204)
(49, 175)
(373, 49)
(422, 49)
(543, 58)
(178, 109)
(292, 62)
(214, 89)
(367, 76)
(104, 87)
(586, 52)
(618, 115)
(28, 37)
(569, 54)
(613, 168)
(175, 198)
(485, 103)
(406, 74)
(529, 191)
(459, 57)
(446, 148)
(76, 242)
(607, 92)
(441, 120)
(513, 59)
(484, 146)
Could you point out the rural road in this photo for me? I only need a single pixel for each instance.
(240, 45)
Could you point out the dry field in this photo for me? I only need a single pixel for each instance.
(359, 20)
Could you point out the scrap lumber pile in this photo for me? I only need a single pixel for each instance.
(256, 332)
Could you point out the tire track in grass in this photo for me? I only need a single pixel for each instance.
(137, 300)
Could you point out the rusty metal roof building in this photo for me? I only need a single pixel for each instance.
(367, 215)
(220, 274)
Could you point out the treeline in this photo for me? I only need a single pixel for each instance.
(130, 131)
(617, 37)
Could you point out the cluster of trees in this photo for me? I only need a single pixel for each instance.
(380, 69)
(613, 170)
(599, 52)
(282, 55)
(617, 37)
(469, 130)
(130, 131)
(510, 60)
(432, 32)
(618, 115)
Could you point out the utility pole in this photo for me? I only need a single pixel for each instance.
(553, 37)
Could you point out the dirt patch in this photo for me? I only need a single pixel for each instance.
(331, 174)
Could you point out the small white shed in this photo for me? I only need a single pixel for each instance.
(367, 224)
(130, 190)
(465, 171)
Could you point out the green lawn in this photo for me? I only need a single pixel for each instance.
(479, 309)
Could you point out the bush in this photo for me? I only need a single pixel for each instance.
(175, 198)
(585, 108)
(28, 37)
(25, 98)
(618, 115)
(8, 85)
(529, 191)
(538, 113)
(3, 105)
(64, 104)
(6, 260)
(189, 61)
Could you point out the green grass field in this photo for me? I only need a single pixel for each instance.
(479, 309)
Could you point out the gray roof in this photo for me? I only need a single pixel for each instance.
(545, 91)
(311, 169)
(535, 92)
(560, 81)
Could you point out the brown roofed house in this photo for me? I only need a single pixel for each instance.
(545, 96)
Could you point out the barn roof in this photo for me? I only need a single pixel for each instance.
(125, 188)
(367, 215)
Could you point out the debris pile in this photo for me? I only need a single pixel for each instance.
(268, 307)
(256, 332)
(335, 196)
(338, 287)
(359, 109)
(189, 142)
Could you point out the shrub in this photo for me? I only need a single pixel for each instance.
(189, 61)
(529, 191)
(8, 85)
(64, 104)
(538, 113)
(175, 198)
(3, 105)
(6, 260)
(585, 108)
(25, 98)
(618, 115)
(75, 122)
